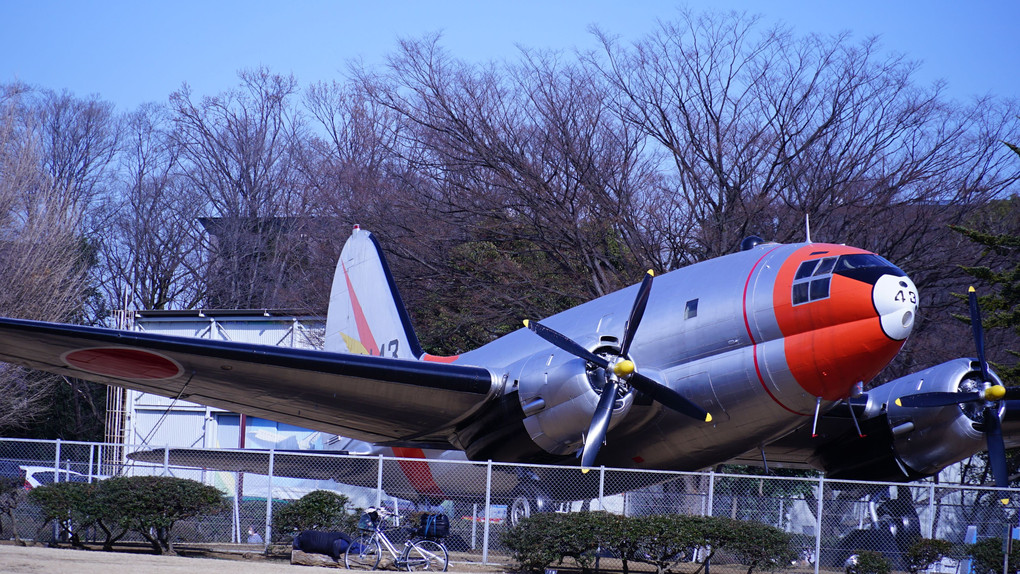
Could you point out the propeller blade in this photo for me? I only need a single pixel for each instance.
(937, 399)
(979, 334)
(668, 397)
(996, 449)
(599, 425)
(566, 344)
(636, 313)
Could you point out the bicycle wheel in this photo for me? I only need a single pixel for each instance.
(426, 555)
(363, 553)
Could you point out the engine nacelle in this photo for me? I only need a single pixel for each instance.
(558, 396)
(906, 443)
(930, 439)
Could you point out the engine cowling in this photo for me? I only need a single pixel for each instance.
(930, 439)
(906, 443)
(558, 394)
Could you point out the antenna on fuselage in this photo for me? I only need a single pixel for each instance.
(807, 226)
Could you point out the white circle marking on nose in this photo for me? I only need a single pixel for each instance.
(895, 300)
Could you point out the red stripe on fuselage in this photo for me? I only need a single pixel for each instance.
(754, 346)
(418, 472)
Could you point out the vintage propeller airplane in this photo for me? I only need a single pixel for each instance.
(755, 356)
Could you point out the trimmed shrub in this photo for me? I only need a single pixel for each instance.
(869, 562)
(624, 538)
(762, 547)
(661, 540)
(71, 505)
(925, 552)
(317, 510)
(581, 536)
(533, 543)
(988, 555)
(151, 505)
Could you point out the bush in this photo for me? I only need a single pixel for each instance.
(762, 547)
(869, 562)
(533, 542)
(151, 505)
(582, 534)
(624, 537)
(317, 510)
(12, 492)
(925, 552)
(72, 505)
(662, 540)
(988, 555)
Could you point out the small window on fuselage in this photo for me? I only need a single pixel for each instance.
(691, 310)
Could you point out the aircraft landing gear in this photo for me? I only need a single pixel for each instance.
(525, 501)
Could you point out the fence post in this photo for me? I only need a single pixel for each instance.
(474, 525)
(92, 459)
(488, 504)
(56, 478)
(818, 523)
(602, 487)
(931, 510)
(711, 492)
(269, 498)
(166, 460)
(56, 462)
(235, 531)
(378, 484)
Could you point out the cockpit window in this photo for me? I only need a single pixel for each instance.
(811, 282)
(805, 269)
(825, 266)
(861, 261)
(866, 267)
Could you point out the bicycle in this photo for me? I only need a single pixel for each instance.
(419, 552)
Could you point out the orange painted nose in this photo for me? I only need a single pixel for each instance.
(840, 329)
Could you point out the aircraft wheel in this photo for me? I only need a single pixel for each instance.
(520, 509)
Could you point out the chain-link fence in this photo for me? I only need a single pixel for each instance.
(829, 520)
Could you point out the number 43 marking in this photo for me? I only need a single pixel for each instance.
(902, 295)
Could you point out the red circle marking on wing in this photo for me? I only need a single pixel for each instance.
(124, 363)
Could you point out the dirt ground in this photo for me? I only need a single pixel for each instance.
(40, 559)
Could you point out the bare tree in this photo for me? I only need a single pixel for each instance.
(42, 261)
(79, 140)
(764, 128)
(151, 258)
(237, 152)
(534, 187)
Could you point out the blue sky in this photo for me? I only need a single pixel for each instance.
(130, 52)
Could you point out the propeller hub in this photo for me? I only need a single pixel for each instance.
(995, 393)
(623, 368)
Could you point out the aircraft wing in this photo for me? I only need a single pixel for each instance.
(833, 444)
(318, 465)
(375, 399)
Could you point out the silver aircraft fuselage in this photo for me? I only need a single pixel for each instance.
(761, 339)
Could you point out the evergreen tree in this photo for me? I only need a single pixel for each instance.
(1001, 308)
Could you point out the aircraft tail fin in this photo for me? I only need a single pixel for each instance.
(366, 314)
